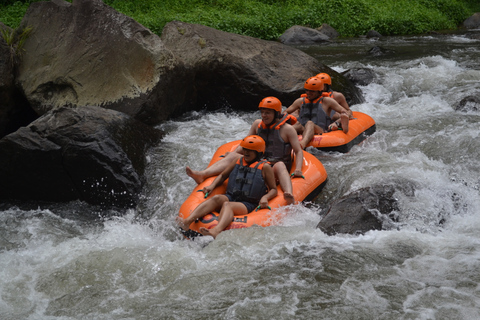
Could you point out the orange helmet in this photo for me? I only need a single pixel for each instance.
(271, 103)
(253, 142)
(325, 78)
(314, 84)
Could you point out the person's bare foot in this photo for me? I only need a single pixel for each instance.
(289, 198)
(195, 175)
(344, 121)
(182, 224)
(209, 232)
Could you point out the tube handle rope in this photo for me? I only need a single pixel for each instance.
(206, 194)
(294, 175)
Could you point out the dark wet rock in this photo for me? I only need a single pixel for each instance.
(360, 76)
(86, 53)
(379, 51)
(373, 34)
(470, 103)
(303, 35)
(239, 71)
(89, 153)
(327, 30)
(342, 84)
(475, 36)
(371, 208)
(472, 22)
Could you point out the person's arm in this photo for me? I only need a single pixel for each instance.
(341, 100)
(295, 106)
(331, 104)
(253, 128)
(220, 178)
(297, 150)
(269, 178)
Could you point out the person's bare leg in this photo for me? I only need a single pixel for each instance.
(213, 170)
(229, 210)
(283, 177)
(335, 116)
(204, 208)
(198, 176)
(298, 127)
(307, 134)
(344, 121)
(317, 129)
(350, 114)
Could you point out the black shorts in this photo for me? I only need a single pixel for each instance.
(288, 165)
(250, 205)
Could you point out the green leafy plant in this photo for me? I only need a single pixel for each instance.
(15, 41)
(268, 19)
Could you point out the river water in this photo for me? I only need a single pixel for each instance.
(67, 262)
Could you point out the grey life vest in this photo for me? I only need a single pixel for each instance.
(276, 149)
(313, 111)
(246, 182)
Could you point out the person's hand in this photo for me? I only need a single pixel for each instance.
(263, 202)
(207, 190)
(297, 174)
(333, 127)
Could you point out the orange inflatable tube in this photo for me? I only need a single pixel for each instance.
(303, 190)
(361, 126)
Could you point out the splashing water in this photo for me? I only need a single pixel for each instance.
(57, 264)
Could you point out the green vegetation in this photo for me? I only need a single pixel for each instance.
(15, 41)
(268, 19)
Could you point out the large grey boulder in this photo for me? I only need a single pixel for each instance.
(303, 35)
(239, 71)
(472, 22)
(360, 76)
(91, 154)
(371, 208)
(328, 30)
(86, 53)
(373, 34)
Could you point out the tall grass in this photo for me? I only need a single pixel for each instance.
(268, 19)
(15, 41)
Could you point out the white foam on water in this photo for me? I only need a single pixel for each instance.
(54, 266)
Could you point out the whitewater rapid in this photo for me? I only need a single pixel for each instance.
(68, 262)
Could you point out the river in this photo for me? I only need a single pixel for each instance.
(67, 262)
